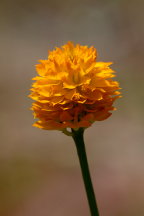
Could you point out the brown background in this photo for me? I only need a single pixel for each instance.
(39, 170)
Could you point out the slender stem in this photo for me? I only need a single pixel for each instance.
(79, 142)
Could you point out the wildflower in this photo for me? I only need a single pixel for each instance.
(72, 89)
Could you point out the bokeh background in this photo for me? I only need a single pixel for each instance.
(39, 170)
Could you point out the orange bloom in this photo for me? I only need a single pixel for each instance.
(72, 89)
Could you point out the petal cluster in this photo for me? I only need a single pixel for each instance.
(72, 89)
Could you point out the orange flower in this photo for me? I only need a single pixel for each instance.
(72, 89)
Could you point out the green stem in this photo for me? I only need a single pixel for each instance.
(79, 142)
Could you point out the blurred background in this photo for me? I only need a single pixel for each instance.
(39, 170)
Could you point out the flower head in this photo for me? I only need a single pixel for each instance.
(72, 89)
